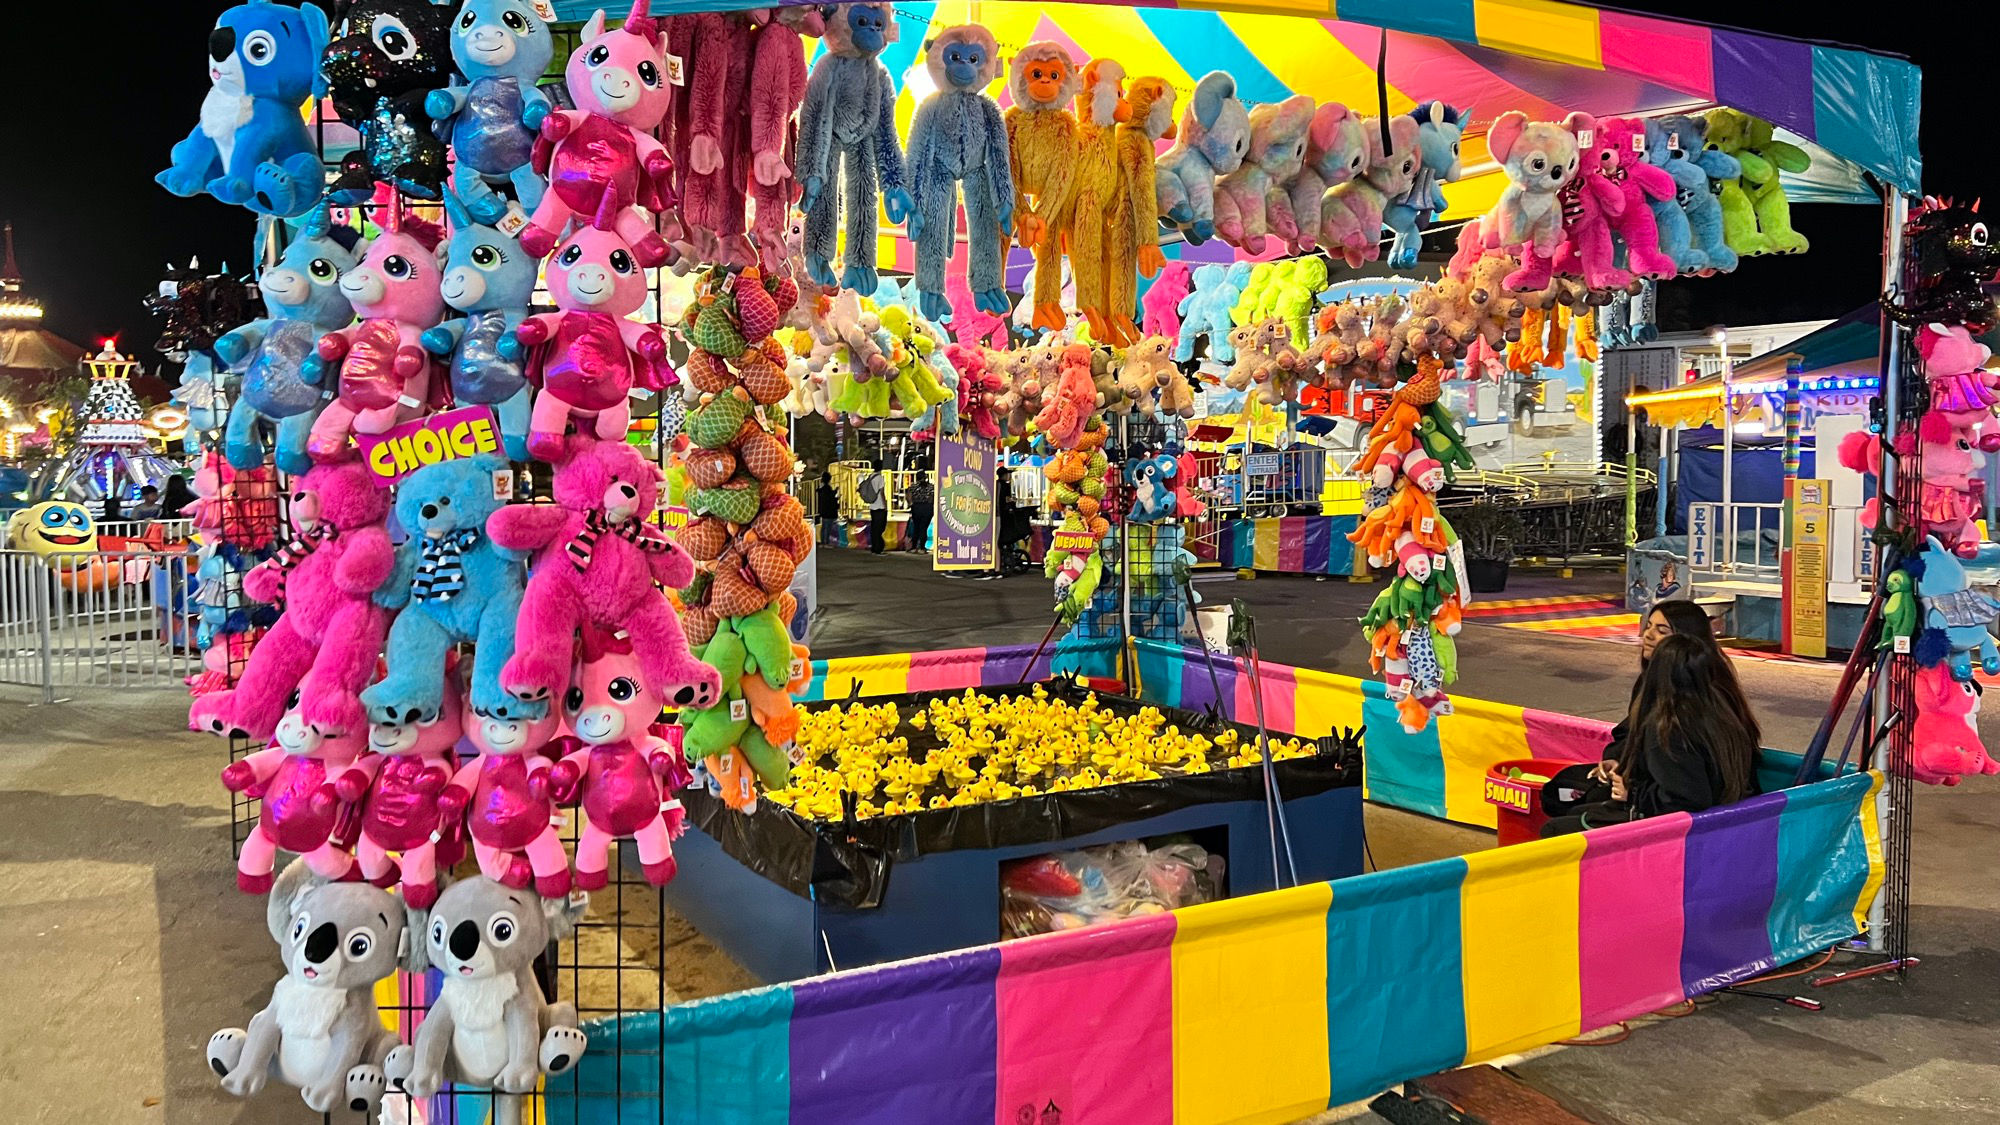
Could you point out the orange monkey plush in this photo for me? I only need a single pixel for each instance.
(1042, 147)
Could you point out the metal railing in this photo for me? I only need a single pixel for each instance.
(171, 531)
(847, 486)
(113, 619)
(1715, 539)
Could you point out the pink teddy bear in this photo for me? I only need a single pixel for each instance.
(1640, 181)
(601, 157)
(293, 778)
(500, 800)
(1162, 301)
(326, 642)
(596, 355)
(394, 789)
(597, 561)
(385, 372)
(1590, 203)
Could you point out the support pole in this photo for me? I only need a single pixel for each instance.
(1631, 474)
(1728, 453)
(1895, 212)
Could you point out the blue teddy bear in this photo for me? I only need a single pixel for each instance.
(251, 147)
(454, 585)
(1687, 137)
(501, 47)
(1205, 312)
(302, 293)
(489, 278)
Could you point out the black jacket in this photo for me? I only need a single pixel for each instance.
(1674, 776)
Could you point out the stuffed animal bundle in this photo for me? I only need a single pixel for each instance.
(380, 372)
(321, 1032)
(1097, 192)
(1252, 200)
(1070, 404)
(847, 145)
(1336, 152)
(957, 138)
(501, 49)
(275, 406)
(236, 514)
(1540, 160)
(380, 71)
(777, 90)
(1756, 213)
(709, 142)
(1153, 381)
(1591, 202)
(1439, 128)
(1132, 233)
(743, 742)
(980, 387)
(601, 159)
(1043, 147)
(1643, 185)
(1214, 135)
(1077, 569)
(251, 147)
(325, 643)
(1350, 220)
(1162, 302)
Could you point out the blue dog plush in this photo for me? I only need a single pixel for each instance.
(1151, 481)
(1702, 205)
(489, 278)
(251, 147)
(302, 293)
(1439, 128)
(501, 47)
(453, 585)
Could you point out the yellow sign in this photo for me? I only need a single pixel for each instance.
(1806, 566)
(449, 436)
(1508, 794)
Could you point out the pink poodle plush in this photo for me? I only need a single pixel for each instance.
(384, 372)
(777, 89)
(1946, 735)
(1162, 301)
(500, 799)
(621, 770)
(293, 777)
(394, 787)
(595, 354)
(325, 643)
(596, 561)
(1640, 182)
(1590, 204)
(601, 157)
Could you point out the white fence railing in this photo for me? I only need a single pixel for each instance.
(171, 531)
(1717, 543)
(113, 619)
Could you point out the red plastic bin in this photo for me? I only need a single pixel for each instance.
(1519, 799)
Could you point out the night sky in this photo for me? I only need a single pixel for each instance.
(94, 232)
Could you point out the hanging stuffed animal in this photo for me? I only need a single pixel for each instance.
(1206, 313)
(1095, 191)
(1957, 617)
(601, 158)
(251, 147)
(381, 372)
(1336, 152)
(1953, 257)
(292, 779)
(1163, 300)
(1350, 220)
(381, 72)
(957, 136)
(489, 278)
(500, 799)
(712, 182)
(1214, 135)
(391, 795)
(1252, 200)
(970, 324)
(305, 300)
(1623, 140)
(848, 147)
(1944, 742)
(777, 90)
(1756, 215)
(1439, 128)
(1671, 215)
(1043, 148)
(1069, 406)
(1132, 238)
(1701, 203)
(1540, 160)
(501, 48)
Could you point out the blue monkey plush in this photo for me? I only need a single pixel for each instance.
(251, 147)
(1702, 205)
(302, 294)
(489, 278)
(847, 132)
(1439, 128)
(957, 135)
(454, 585)
(501, 47)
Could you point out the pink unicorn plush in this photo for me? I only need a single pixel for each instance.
(621, 771)
(292, 776)
(595, 355)
(1162, 302)
(601, 157)
(596, 562)
(394, 789)
(500, 799)
(325, 643)
(385, 373)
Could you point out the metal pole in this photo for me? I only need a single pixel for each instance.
(44, 583)
(1670, 440)
(1631, 474)
(1728, 453)
(1896, 211)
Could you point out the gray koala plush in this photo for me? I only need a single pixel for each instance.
(320, 1031)
(490, 1026)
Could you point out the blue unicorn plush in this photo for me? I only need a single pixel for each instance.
(1439, 128)
(302, 293)
(501, 47)
(488, 277)
(263, 63)
(1687, 138)
(1957, 618)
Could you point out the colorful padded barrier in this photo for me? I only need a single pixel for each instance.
(1288, 545)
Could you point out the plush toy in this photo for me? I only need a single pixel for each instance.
(979, 388)
(1070, 404)
(777, 90)
(1205, 312)
(1591, 203)
(1293, 294)
(1096, 189)
(1701, 203)
(1213, 138)
(592, 354)
(1944, 743)
(596, 561)
(1952, 257)
(1756, 215)
(1042, 145)
(1540, 160)
(1672, 216)
(1148, 376)
(391, 794)
(1254, 303)
(321, 1031)
(381, 72)
(708, 123)
(601, 158)
(489, 1026)
(971, 325)
(236, 516)
(1252, 199)
(1492, 314)
(1151, 482)
(293, 780)
(325, 643)
(1336, 152)
(957, 136)
(489, 278)
(1439, 128)
(1954, 457)
(1620, 155)
(847, 129)
(303, 295)
(500, 799)
(1163, 300)
(383, 373)
(251, 146)
(1957, 617)
(1350, 219)
(501, 48)
(742, 742)
(1132, 233)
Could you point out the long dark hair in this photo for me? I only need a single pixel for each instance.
(1689, 693)
(1686, 619)
(176, 496)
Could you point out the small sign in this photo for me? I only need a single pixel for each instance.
(1428, 525)
(1508, 793)
(1903, 645)
(1457, 554)
(1638, 142)
(739, 710)
(450, 436)
(503, 485)
(544, 9)
(676, 70)
(1808, 535)
(1262, 465)
(798, 669)
(1073, 542)
(513, 222)
(1584, 137)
